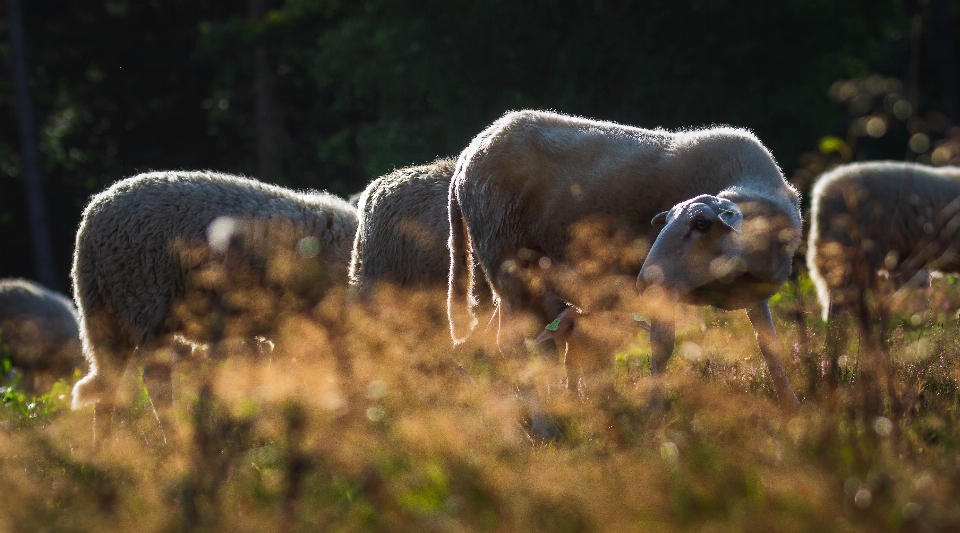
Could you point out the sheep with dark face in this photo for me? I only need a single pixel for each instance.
(150, 245)
(725, 221)
(39, 328)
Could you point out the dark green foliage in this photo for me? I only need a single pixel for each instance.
(363, 87)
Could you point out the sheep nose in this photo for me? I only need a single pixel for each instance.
(649, 275)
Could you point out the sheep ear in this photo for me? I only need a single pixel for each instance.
(732, 218)
(660, 219)
(558, 327)
(544, 336)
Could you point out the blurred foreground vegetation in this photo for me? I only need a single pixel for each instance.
(372, 429)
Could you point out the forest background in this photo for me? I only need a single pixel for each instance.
(327, 94)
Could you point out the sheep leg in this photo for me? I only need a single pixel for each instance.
(585, 369)
(108, 353)
(663, 336)
(157, 374)
(517, 326)
(104, 383)
(511, 341)
(510, 334)
(836, 338)
(158, 379)
(868, 378)
(580, 363)
(515, 329)
(907, 278)
(766, 333)
(886, 361)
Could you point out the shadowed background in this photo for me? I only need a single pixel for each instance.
(329, 95)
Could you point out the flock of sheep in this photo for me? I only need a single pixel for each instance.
(544, 219)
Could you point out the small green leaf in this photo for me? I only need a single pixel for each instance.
(830, 144)
(553, 326)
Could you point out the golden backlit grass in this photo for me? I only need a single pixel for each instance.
(359, 420)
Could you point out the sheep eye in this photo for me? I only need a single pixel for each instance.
(701, 224)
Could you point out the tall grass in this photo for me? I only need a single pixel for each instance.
(359, 420)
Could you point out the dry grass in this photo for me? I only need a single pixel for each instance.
(359, 421)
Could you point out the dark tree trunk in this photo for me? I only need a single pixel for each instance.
(946, 63)
(913, 81)
(29, 150)
(265, 105)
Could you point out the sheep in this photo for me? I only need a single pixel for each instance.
(155, 247)
(867, 217)
(39, 327)
(403, 227)
(402, 238)
(533, 180)
(897, 217)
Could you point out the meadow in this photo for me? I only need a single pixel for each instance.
(363, 417)
(359, 421)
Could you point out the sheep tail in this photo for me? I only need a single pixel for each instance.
(460, 298)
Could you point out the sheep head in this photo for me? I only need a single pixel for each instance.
(714, 251)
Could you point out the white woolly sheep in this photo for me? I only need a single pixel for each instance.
(897, 217)
(154, 245)
(531, 179)
(402, 235)
(39, 327)
(867, 217)
(403, 228)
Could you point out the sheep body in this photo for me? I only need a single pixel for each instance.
(135, 255)
(403, 227)
(532, 177)
(893, 216)
(39, 326)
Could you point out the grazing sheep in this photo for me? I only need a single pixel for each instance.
(403, 228)
(157, 246)
(533, 179)
(897, 217)
(893, 216)
(39, 327)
